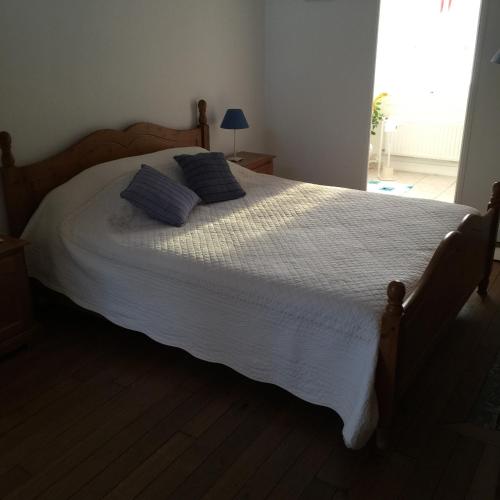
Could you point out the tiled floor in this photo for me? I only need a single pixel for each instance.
(433, 187)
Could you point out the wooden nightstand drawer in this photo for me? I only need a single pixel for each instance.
(266, 168)
(10, 264)
(16, 320)
(11, 311)
(258, 162)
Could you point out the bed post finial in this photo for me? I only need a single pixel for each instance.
(6, 147)
(495, 196)
(203, 124)
(494, 206)
(202, 108)
(388, 358)
(395, 293)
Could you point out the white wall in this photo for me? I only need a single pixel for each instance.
(68, 68)
(320, 60)
(481, 151)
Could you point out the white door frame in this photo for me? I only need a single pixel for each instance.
(471, 100)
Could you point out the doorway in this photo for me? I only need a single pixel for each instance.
(425, 55)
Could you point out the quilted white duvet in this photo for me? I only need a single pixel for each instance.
(286, 285)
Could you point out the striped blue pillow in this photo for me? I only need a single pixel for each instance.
(160, 197)
(209, 176)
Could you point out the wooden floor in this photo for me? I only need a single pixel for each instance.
(93, 411)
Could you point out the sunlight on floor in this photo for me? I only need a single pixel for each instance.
(431, 187)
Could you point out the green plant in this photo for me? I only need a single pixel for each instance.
(377, 114)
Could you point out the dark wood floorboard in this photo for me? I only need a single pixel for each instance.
(92, 411)
(318, 490)
(485, 478)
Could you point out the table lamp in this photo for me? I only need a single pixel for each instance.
(234, 119)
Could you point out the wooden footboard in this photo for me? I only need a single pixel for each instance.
(410, 327)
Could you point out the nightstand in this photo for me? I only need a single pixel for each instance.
(258, 162)
(16, 316)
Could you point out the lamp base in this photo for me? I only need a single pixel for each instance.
(234, 158)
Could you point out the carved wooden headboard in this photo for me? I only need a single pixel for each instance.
(25, 187)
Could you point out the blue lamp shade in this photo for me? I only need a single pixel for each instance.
(234, 119)
(496, 58)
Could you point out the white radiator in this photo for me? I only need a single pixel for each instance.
(440, 141)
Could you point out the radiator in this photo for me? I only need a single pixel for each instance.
(440, 141)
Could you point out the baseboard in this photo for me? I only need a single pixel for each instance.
(423, 166)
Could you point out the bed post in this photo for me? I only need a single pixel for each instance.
(10, 177)
(203, 123)
(385, 383)
(494, 206)
(6, 147)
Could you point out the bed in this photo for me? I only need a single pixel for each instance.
(336, 295)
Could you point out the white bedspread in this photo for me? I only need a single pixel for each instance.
(286, 285)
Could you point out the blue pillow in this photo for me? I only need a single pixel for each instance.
(209, 176)
(160, 197)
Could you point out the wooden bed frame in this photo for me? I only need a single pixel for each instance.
(409, 326)
(25, 187)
